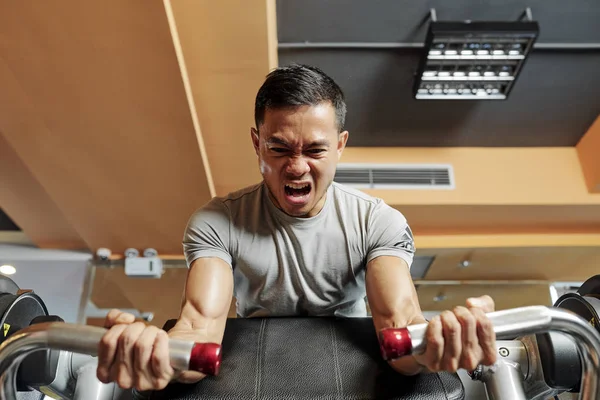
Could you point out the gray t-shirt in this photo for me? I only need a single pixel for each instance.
(287, 266)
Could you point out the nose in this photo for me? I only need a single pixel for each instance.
(297, 167)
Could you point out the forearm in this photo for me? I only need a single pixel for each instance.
(394, 303)
(206, 302)
(201, 329)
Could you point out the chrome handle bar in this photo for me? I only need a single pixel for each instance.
(84, 339)
(509, 324)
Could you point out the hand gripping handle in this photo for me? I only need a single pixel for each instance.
(399, 342)
(184, 355)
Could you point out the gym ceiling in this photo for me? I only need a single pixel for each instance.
(118, 119)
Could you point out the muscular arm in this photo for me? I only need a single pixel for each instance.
(206, 301)
(393, 302)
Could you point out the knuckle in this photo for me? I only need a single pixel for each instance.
(451, 365)
(486, 325)
(471, 343)
(123, 383)
(107, 341)
(466, 318)
(156, 362)
(162, 335)
(102, 375)
(491, 357)
(433, 366)
(139, 384)
(139, 346)
(446, 315)
(431, 334)
(159, 383)
(460, 310)
(144, 384)
(124, 340)
(470, 363)
(452, 328)
(137, 326)
(434, 343)
(488, 299)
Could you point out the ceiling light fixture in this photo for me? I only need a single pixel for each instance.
(473, 60)
(7, 269)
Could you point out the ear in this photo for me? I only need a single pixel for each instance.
(341, 145)
(255, 140)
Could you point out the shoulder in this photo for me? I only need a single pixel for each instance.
(246, 193)
(222, 207)
(354, 199)
(235, 199)
(372, 208)
(350, 195)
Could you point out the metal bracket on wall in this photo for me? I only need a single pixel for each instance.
(433, 15)
(527, 15)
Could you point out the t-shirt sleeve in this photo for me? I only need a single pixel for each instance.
(207, 233)
(389, 234)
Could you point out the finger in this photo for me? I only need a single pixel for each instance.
(115, 317)
(471, 351)
(486, 336)
(122, 368)
(107, 348)
(435, 344)
(143, 375)
(160, 363)
(452, 341)
(486, 303)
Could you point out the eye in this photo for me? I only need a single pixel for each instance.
(278, 149)
(316, 151)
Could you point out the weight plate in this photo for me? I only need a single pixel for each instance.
(7, 285)
(17, 312)
(585, 306)
(591, 287)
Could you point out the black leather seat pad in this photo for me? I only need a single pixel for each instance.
(309, 358)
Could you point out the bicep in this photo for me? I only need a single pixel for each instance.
(206, 298)
(391, 293)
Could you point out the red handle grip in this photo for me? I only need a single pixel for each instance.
(206, 358)
(395, 343)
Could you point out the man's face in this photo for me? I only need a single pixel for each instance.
(298, 150)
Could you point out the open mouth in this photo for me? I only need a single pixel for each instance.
(297, 190)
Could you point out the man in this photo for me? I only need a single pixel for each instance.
(296, 244)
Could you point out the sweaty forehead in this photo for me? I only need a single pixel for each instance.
(303, 123)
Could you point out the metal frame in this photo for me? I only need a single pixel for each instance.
(417, 45)
(86, 293)
(432, 16)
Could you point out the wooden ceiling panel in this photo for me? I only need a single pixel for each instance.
(229, 47)
(93, 103)
(527, 263)
(587, 150)
(30, 206)
(446, 297)
(501, 219)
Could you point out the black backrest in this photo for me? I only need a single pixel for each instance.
(309, 358)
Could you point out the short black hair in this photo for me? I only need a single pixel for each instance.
(299, 85)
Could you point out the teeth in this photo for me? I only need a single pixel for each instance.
(296, 186)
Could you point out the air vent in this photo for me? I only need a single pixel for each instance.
(395, 176)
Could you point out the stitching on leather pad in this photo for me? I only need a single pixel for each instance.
(338, 374)
(259, 353)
